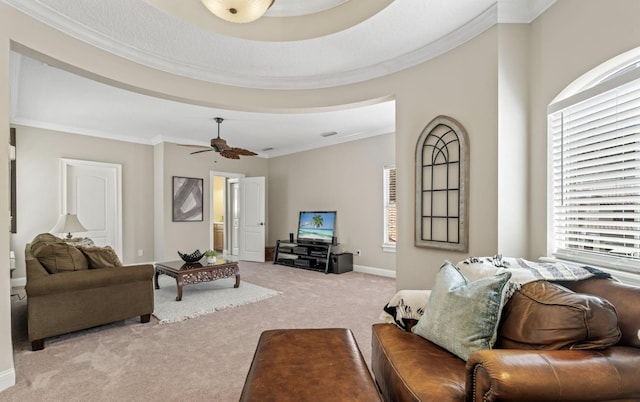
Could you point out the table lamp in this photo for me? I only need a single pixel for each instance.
(68, 223)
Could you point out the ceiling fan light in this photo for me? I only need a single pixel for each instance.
(238, 11)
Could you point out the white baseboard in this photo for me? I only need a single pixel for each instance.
(18, 282)
(375, 271)
(7, 379)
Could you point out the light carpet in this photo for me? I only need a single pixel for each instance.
(203, 298)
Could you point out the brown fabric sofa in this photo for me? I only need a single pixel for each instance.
(75, 296)
(408, 367)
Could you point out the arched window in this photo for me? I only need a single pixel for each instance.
(442, 175)
(595, 183)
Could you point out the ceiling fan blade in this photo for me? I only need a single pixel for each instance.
(229, 154)
(204, 150)
(192, 145)
(244, 152)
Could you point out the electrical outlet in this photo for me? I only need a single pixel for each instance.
(358, 252)
(140, 253)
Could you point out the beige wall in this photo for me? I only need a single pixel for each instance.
(566, 44)
(461, 84)
(346, 178)
(38, 186)
(176, 161)
(7, 373)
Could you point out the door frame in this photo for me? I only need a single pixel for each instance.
(65, 163)
(225, 230)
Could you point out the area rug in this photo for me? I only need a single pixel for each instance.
(203, 298)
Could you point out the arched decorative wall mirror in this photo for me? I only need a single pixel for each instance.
(442, 179)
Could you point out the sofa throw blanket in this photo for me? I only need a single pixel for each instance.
(523, 271)
(405, 308)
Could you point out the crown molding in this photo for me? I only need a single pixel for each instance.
(64, 128)
(297, 7)
(521, 11)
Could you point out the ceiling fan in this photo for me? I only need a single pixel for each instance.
(220, 145)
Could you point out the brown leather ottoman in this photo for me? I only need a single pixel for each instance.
(308, 365)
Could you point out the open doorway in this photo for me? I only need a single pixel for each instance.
(222, 230)
(237, 216)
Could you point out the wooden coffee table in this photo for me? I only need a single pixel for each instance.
(191, 273)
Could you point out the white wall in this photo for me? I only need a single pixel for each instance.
(346, 178)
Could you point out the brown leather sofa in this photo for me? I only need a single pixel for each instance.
(71, 293)
(408, 367)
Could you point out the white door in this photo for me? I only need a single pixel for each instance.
(252, 218)
(92, 190)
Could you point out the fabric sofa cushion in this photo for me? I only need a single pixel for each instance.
(60, 257)
(42, 240)
(463, 316)
(100, 257)
(545, 315)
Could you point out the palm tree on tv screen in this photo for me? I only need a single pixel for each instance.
(317, 221)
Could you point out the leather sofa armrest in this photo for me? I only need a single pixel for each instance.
(554, 375)
(88, 279)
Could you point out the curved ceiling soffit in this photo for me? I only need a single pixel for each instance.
(408, 57)
(278, 24)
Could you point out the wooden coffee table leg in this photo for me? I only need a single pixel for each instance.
(179, 283)
(237, 281)
(155, 279)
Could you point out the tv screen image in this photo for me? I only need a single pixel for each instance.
(316, 226)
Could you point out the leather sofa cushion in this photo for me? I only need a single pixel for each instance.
(59, 257)
(100, 257)
(545, 315)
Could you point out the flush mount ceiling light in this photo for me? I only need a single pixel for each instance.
(238, 11)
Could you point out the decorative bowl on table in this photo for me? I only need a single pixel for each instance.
(193, 257)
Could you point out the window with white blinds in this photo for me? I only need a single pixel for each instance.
(389, 180)
(596, 176)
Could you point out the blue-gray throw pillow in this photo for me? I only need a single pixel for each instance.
(463, 316)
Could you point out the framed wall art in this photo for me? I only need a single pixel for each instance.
(187, 199)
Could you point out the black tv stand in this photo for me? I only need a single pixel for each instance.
(313, 256)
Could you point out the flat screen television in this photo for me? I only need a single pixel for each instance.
(316, 226)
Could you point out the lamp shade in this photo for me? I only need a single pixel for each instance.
(238, 11)
(68, 223)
